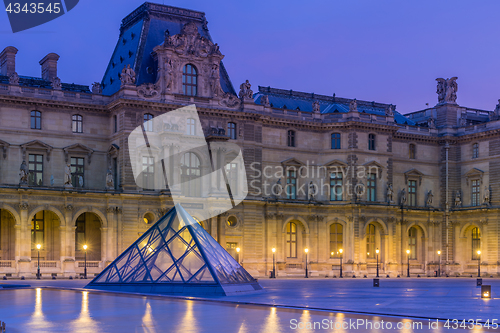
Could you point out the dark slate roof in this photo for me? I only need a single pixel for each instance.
(296, 100)
(36, 82)
(143, 30)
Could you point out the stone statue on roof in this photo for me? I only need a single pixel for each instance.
(128, 75)
(431, 122)
(353, 106)
(245, 91)
(316, 107)
(447, 90)
(389, 112)
(14, 79)
(495, 115)
(264, 100)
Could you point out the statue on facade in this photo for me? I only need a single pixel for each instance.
(264, 100)
(245, 91)
(215, 81)
(447, 90)
(458, 200)
(430, 196)
(403, 197)
(390, 194)
(486, 199)
(312, 191)
(96, 88)
(110, 183)
(431, 122)
(353, 106)
(23, 174)
(56, 83)
(316, 107)
(389, 112)
(67, 176)
(51, 180)
(128, 75)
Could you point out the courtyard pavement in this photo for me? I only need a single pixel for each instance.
(284, 300)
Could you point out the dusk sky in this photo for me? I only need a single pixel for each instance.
(384, 51)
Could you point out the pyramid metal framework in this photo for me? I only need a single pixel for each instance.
(176, 256)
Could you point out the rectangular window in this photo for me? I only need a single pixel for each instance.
(231, 129)
(371, 141)
(475, 150)
(148, 170)
(37, 230)
(336, 141)
(77, 175)
(412, 193)
(36, 120)
(232, 177)
(412, 149)
(190, 129)
(370, 241)
(336, 188)
(115, 172)
(77, 123)
(291, 139)
(291, 183)
(291, 240)
(372, 187)
(476, 183)
(115, 123)
(412, 243)
(36, 170)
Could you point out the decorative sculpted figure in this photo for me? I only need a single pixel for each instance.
(389, 111)
(495, 115)
(430, 196)
(458, 200)
(403, 197)
(14, 79)
(110, 183)
(447, 90)
(67, 176)
(128, 75)
(312, 191)
(23, 173)
(264, 100)
(431, 122)
(316, 107)
(486, 199)
(353, 106)
(390, 193)
(96, 88)
(56, 83)
(245, 91)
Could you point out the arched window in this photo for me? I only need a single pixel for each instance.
(189, 80)
(335, 140)
(412, 242)
(336, 239)
(291, 138)
(77, 123)
(370, 241)
(190, 127)
(371, 141)
(413, 150)
(475, 150)
(190, 175)
(36, 120)
(476, 243)
(231, 130)
(148, 125)
(336, 188)
(291, 240)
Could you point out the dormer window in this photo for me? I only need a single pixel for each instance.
(189, 80)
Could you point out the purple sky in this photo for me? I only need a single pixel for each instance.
(389, 51)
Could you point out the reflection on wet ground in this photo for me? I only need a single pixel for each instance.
(52, 310)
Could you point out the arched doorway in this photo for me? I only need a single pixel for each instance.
(88, 232)
(416, 246)
(45, 233)
(294, 246)
(7, 235)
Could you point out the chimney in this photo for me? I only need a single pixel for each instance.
(49, 66)
(8, 61)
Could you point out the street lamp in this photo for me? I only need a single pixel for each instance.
(439, 269)
(38, 246)
(307, 275)
(376, 251)
(273, 276)
(341, 261)
(408, 270)
(478, 263)
(238, 251)
(85, 267)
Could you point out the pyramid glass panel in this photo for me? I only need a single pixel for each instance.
(175, 251)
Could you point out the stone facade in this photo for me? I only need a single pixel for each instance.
(336, 157)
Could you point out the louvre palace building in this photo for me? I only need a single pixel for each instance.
(348, 180)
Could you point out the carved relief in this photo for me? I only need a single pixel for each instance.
(147, 90)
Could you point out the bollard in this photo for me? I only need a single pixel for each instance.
(376, 282)
(479, 282)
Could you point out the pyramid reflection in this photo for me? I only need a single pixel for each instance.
(176, 256)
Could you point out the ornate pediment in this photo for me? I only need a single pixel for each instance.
(292, 161)
(336, 163)
(78, 149)
(374, 165)
(4, 146)
(190, 42)
(414, 173)
(474, 173)
(36, 145)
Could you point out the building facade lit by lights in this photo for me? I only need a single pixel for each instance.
(324, 172)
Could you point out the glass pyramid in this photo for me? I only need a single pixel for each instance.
(176, 256)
